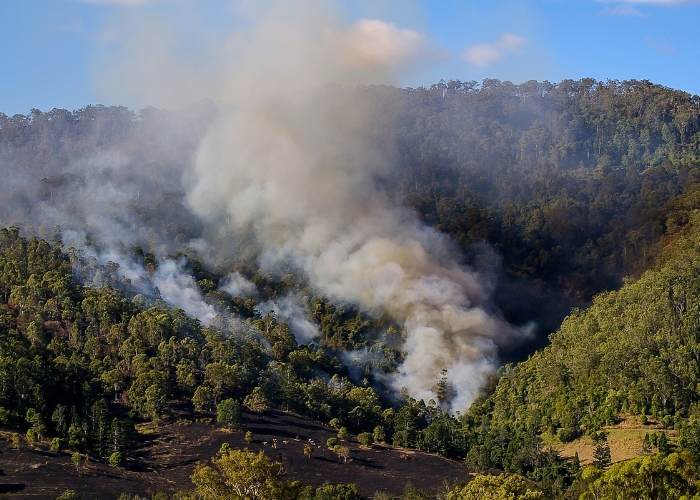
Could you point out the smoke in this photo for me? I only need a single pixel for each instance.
(169, 281)
(289, 309)
(234, 284)
(293, 156)
(180, 290)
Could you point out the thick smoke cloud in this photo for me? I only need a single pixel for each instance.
(294, 157)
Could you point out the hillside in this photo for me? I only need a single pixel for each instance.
(166, 456)
(626, 367)
(367, 278)
(559, 190)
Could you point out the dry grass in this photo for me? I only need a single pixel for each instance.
(625, 440)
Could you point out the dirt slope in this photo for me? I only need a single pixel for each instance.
(167, 455)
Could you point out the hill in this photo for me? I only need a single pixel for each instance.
(629, 358)
(467, 212)
(166, 456)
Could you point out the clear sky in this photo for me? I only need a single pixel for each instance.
(53, 52)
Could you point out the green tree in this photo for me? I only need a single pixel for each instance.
(338, 492)
(342, 452)
(256, 401)
(78, 460)
(601, 453)
(510, 487)
(228, 412)
(650, 476)
(663, 444)
(58, 444)
(379, 434)
(238, 474)
(203, 399)
(365, 438)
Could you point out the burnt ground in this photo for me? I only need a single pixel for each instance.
(167, 454)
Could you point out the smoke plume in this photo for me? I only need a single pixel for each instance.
(293, 155)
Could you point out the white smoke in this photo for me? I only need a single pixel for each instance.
(234, 284)
(288, 309)
(179, 289)
(174, 284)
(293, 156)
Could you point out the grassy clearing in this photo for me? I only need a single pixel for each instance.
(625, 442)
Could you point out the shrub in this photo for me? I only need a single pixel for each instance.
(78, 459)
(116, 459)
(331, 442)
(379, 434)
(58, 444)
(365, 438)
(339, 492)
(32, 436)
(68, 495)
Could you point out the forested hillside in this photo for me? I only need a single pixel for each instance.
(572, 184)
(132, 306)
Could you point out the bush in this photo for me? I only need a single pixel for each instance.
(339, 492)
(379, 434)
(68, 495)
(58, 444)
(331, 442)
(365, 438)
(32, 436)
(335, 423)
(116, 459)
(342, 433)
(567, 434)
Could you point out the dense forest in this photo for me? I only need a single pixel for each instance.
(580, 193)
(570, 185)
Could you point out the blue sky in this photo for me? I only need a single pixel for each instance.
(53, 52)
